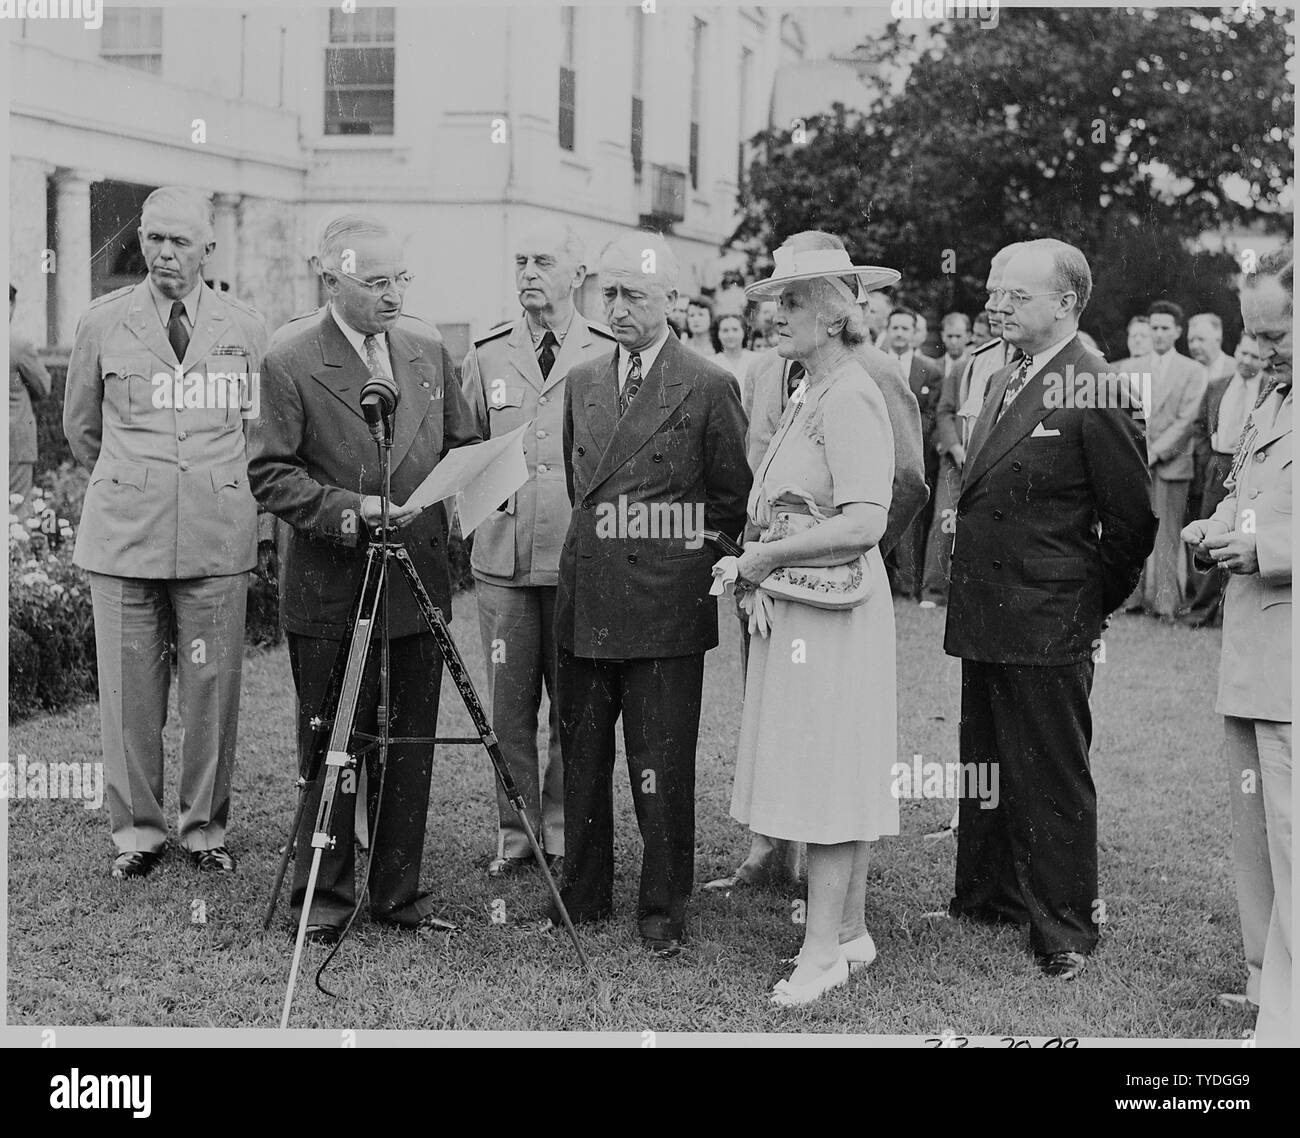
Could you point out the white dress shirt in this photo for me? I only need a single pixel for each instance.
(358, 342)
(648, 357)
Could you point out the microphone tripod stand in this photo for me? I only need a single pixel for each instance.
(333, 724)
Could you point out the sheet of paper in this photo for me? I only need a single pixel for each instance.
(480, 477)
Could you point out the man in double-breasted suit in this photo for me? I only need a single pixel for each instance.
(1177, 384)
(514, 374)
(29, 383)
(313, 464)
(162, 378)
(654, 444)
(1250, 536)
(1053, 522)
(924, 376)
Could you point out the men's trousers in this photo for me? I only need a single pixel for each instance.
(1164, 576)
(517, 626)
(1208, 586)
(659, 700)
(938, 545)
(135, 620)
(1257, 754)
(397, 843)
(1032, 858)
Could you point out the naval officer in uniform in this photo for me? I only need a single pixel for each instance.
(162, 379)
(514, 374)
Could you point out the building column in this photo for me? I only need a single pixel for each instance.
(226, 227)
(71, 251)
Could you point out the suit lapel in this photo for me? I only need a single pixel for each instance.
(411, 371)
(522, 357)
(211, 321)
(142, 319)
(1280, 425)
(341, 373)
(994, 437)
(661, 392)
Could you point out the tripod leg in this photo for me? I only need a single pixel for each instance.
(337, 756)
(302, 936)
(460, 677)
(309, 767)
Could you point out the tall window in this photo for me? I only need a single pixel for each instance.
(568, 79)
(746, 84)
(359, 64)
(697, 79)
(638, 92)
(132, 37)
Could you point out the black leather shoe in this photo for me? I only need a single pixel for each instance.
(661, 948)
(505, 866)
(322, 934)
(1062, 965)
(216, 860)
(135, 863)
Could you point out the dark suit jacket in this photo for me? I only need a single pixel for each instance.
(682, 440)
(1032, 580)
(926, 380)
(1207, 422)
(311, 460)
(765, 401)
(947, 431)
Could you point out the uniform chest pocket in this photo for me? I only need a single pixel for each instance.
(128, 384)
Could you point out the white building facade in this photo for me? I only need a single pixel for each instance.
(459, 125)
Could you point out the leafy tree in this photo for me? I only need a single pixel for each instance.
(1126, 132)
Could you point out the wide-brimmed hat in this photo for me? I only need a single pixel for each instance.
(808, 264)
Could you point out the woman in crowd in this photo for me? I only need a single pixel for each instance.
(818, 730)
(729, 332)
(699, 322)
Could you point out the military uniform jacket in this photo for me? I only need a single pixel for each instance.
(1255, 666)
(623, 595)
(311, 460)
(1053, 523)
(168, 495)
(503, 387)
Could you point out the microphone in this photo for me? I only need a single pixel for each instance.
(379, 400)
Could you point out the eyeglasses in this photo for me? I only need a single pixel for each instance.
(1019, 298)
(378, 287)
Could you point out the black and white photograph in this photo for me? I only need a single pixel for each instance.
(665, 524)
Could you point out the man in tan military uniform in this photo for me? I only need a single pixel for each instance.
(516, 373)
(161, 380)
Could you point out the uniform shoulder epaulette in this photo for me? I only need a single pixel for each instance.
(242, 305)
(602, 330)
(100, 300)
(494, 333)
(986, 346)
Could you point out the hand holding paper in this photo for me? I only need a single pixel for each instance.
(480, 477)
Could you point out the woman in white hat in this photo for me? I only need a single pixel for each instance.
(818, 731)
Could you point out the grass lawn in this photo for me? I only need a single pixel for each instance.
(84, 949)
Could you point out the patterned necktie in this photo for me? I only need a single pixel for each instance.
(375, 358)
(546, 357)
(631, 385)
(1016, 384)
(177, 333)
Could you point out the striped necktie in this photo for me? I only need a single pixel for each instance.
(375, 358)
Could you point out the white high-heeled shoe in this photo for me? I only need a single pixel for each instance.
(787, 995)
(859, 952)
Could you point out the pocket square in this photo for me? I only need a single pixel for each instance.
(1041, 432)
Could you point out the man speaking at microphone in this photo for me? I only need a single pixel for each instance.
(314, 464)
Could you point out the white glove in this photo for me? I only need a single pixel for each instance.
(724, 576)
(757, 603)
